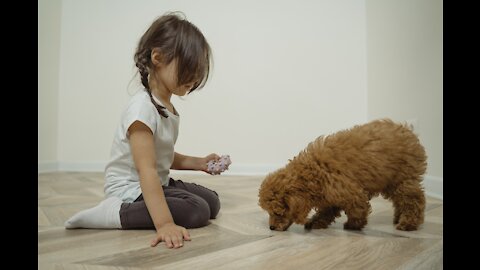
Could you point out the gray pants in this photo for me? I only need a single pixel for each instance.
(191, 206)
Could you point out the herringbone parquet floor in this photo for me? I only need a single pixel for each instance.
(238, 239)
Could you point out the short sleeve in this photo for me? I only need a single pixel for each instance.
(142, 111)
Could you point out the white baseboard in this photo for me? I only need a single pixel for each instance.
(44, 167)
(239, 170)
(234, 169)
(433, 185)
(252, 169)
(82, 166)
(47, 166)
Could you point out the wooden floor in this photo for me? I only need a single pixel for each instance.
(238, 239)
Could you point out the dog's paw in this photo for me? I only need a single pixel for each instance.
(315, 224)
(308, 225)
(348, 226)
(357, 224)
(406, 227)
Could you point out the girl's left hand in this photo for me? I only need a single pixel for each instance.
(206, 159)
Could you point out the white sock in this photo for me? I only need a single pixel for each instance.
(106, 215)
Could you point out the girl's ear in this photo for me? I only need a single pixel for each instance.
(156, 57)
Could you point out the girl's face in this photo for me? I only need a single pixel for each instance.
(166, 79)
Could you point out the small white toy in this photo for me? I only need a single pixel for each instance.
(219, 166)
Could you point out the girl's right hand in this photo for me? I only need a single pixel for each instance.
(172, 234)
(204, 162)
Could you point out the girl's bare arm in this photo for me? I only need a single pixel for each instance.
(142, 145)
(184, 162)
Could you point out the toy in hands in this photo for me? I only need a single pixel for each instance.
(219, 166)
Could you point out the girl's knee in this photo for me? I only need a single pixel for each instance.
(214, 206)
(197, 220)
(199, 216)
(204, 211)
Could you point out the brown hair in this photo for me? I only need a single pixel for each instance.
(176, 38)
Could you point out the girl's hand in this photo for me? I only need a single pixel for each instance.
(172, 234)
(206, 159)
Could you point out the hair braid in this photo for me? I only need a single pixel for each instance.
(142, 63)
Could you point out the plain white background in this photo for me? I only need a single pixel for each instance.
(284, 73)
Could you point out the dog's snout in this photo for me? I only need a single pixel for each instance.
(272, 227)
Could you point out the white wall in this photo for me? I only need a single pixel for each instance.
(405, 71)
(49, 22)
(284, 73)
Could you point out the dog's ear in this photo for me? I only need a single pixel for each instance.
(271, 201)
(298, 208)
(278, 207)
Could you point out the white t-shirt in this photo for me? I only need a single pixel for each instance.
(121, 176)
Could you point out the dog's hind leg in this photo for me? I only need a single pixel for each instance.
(409, 203)
(323, 218)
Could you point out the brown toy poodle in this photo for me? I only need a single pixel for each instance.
(342, 172)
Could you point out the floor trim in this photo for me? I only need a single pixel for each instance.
(433, 185)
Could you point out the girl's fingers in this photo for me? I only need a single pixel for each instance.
(155, 241)
(213, 156)
(168, 241)
(185, 234)
(172, 240)
(177, 241)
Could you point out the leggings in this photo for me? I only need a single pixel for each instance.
(191, 206)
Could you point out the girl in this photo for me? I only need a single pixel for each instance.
(173, 58)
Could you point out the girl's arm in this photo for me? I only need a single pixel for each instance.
(142, 145)
(183, 162)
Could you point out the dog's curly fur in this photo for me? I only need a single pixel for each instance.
(342, 172)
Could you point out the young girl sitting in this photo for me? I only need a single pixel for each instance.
(173, 58)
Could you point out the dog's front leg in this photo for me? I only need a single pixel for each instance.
(323, 218)
(357, 212)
